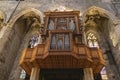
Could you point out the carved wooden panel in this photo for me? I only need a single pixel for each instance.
(29, 53)
(40, 50)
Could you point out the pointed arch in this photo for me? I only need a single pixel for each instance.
(92, 38)
(97, 10)
(98, 19)
(94, 32)
(33, 10)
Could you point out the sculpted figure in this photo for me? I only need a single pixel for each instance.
(34, 41)
(35, 30)
(94, 17)
(36, 25)
(90, 21)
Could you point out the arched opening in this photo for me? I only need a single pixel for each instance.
(104, 74)
(92, 40)
(15, 38)
(99, 21)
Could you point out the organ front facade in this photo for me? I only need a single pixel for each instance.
(60, 50)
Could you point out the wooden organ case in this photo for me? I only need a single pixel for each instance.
(63, 46)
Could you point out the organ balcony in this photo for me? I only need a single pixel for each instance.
(78, 56)
(63, 47)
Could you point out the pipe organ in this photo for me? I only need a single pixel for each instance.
(63, 46)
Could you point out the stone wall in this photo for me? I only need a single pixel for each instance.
(13, 37)
(44, 5)
(10, 43)
(16, 69)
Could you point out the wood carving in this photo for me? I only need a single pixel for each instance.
(63, 47)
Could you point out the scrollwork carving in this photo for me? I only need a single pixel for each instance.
(36, 26)
(94, 17)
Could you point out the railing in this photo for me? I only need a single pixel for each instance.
(77, 56)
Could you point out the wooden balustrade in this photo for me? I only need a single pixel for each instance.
(80, 56)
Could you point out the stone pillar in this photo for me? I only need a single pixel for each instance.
(88, 74)
(35, 73)
(84, 37)
(39, 39)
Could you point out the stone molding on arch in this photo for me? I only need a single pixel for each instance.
(93, 10)
(94, 16)
(16, 17)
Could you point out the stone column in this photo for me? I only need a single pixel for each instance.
(84, 37)
(88, 74)
(35, 73)
(39, 39)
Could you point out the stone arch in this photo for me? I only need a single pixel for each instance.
(101, 11)
(95, 16)
(107, 22)
(18, 25)
(14, 34)
(102, 28)
(105, 28)
(16, 17)
(19, 15)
